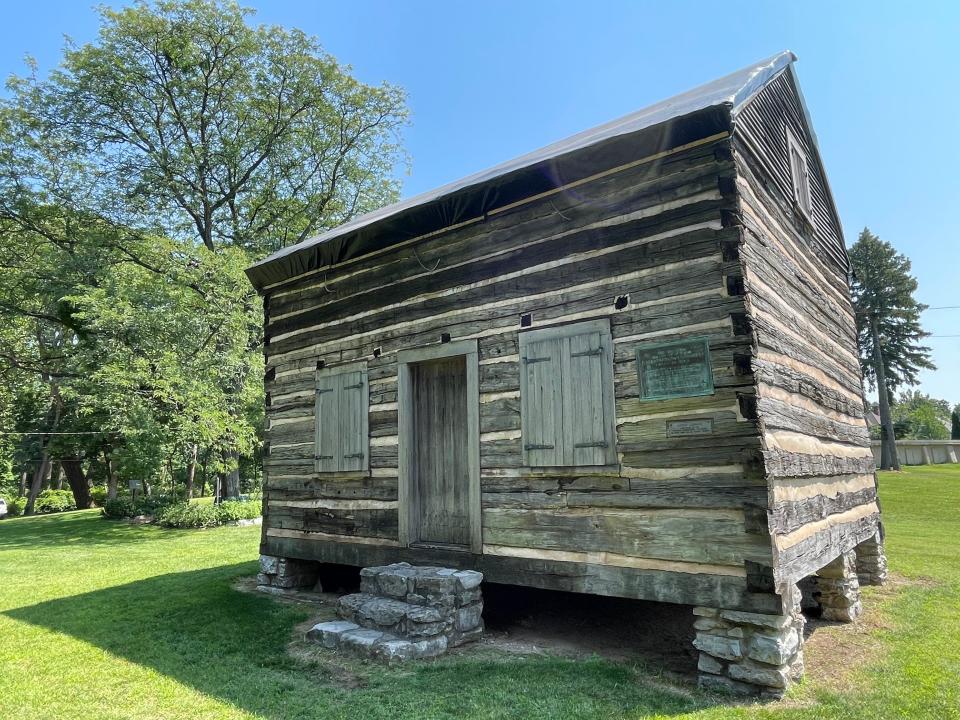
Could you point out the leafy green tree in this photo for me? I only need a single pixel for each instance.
(917, 416)
(955, 423)
(136, 183)
(196, 124)
(888, 326)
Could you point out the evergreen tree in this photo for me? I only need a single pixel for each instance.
(888, 326)
(955, 423)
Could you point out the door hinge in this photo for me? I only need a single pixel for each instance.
(587, 353)
(530, 446)
(601, 444)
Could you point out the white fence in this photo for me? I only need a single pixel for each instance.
(923, 452)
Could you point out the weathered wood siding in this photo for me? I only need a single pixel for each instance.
(816, 448)
(680, 519)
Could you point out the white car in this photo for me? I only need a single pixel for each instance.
(3, 508)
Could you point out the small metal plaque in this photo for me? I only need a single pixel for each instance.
(684, 428)
(675, 369)
(135, 484)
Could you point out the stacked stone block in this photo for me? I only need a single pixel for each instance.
(278, 574)
(839, 589)
(871, 561)
(404, 612)
(749, 653)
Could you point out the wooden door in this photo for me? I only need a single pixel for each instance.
(440, 463)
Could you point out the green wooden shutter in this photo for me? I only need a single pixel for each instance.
(585, 439)
(541, 402)
(327, 446)
(353, 421)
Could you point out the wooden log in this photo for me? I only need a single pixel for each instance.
(689, 588)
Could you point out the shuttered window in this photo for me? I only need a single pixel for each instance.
(799, 175)
(342, 443)
(566, 395)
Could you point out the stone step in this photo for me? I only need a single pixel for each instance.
(405, 612)
(350, 637)
(418, 585)
(411, 621)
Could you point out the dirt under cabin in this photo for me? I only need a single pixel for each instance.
(624, 364)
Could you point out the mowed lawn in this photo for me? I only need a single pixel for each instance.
(107, 620)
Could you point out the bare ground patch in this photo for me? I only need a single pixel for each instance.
(656, 637)
(835, 654)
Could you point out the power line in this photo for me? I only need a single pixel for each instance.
(944, 307)
(85, 432)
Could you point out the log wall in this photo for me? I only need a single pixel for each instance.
(816, 449)
(677, 519)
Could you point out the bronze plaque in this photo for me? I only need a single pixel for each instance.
(680, 368)
(685, 428)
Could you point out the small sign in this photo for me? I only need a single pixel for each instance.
(675, 369)
(136, 485)
(685, 428)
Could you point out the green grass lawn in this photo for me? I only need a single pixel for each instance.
(101, 619)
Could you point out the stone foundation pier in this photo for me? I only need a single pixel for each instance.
(278, 574)
(839, 589)
(749, 653)
(871, 560)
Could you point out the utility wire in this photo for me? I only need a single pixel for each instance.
(86, 432)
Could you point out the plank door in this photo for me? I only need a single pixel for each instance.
(440, 467)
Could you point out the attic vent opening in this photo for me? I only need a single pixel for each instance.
(799, 176)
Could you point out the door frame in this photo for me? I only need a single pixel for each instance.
(408, 504)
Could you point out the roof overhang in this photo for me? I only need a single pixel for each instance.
(683, 118)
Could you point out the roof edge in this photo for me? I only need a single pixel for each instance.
(733, 90)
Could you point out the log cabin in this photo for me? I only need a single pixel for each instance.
(624, 364)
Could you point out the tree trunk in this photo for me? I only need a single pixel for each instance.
(79, 482)
(42, 472)
(22, 490)
(42, 475)
(203, 473)
(58, 483)
(191, 470)
(111, 476)
(230, 487)
(173, 478)
(888, 441)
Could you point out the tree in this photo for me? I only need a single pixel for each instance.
(955, 423)
(888, 326)
(158, 162)
(917, 416)
(192, 122)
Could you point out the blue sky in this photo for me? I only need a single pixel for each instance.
(488, 81)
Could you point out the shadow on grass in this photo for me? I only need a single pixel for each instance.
(194, 627)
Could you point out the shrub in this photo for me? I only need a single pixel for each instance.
(52, 501)
(118, 508)
(153, 505)
(16, 506)
(98, 493)
(202, 515)
(189, 515)
(231, 510)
